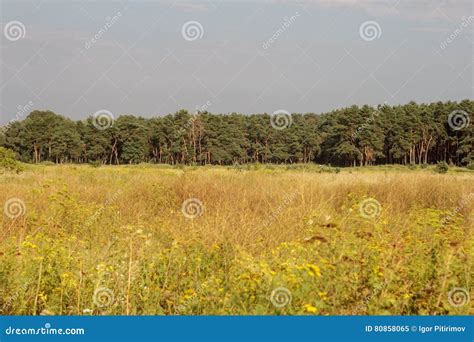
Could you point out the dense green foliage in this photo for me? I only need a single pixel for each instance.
(442, 167)
(8, 161)
(408, 134)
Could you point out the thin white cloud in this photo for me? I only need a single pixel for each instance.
(422, 10)
(200, 6)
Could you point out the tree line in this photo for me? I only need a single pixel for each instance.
(401, 134)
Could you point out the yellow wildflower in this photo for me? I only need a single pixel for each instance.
(308, 308)
(28, 244)
(313, 270)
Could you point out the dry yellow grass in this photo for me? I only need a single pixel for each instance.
(123, 229)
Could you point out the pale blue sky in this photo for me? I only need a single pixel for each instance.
(142, 65)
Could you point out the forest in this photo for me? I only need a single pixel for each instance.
(354, 136)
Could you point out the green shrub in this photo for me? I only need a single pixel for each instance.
(470, 166)
(442, 167)
(47, 163)
(8, 161)
(95, 163)
(237, 166)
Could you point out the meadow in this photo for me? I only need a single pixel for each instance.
(299, 240)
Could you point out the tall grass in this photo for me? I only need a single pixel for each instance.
(114, 240)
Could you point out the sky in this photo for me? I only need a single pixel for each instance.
(151, 58)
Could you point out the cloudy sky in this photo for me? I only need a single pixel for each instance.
(155, 57)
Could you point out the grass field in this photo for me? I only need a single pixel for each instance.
(144, 239)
